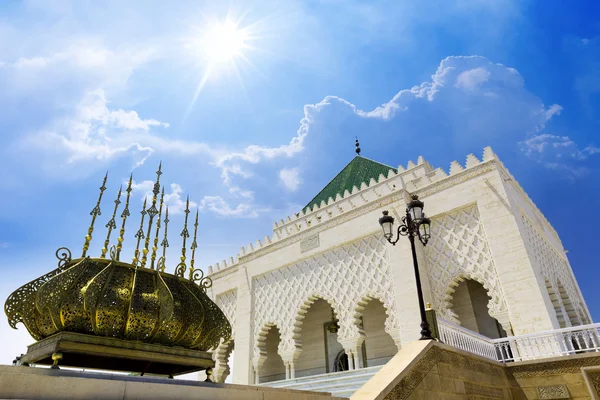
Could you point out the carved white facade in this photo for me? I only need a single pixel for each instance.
(484, 229)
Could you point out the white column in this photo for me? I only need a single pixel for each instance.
(287, 370)
(242, 370)
(350, 359)
(292, 370)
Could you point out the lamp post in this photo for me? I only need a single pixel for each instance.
(414, 224)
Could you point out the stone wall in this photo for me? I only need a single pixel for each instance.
(42, 383)
(430, 370)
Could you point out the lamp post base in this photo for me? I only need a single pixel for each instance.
(425, 332)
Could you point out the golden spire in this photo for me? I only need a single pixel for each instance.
(124, 216)
(111, 224)
(194, 247)
(155, 246)
(180, 271)
(164, 244)
(139, 235)
(152, 211)
(94, 213)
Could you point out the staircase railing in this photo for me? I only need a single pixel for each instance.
(554, 343)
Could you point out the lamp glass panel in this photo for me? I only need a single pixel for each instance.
(387, 229)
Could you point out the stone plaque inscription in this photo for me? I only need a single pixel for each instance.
(311, 242)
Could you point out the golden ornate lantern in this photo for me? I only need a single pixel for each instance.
(109, 314)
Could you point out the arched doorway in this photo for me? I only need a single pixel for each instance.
(272, 369)
(379, 347)
(320, 347)
(470, 303)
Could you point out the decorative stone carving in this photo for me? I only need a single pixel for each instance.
(227, 302)
(459, 250)
(555, 269)
(553, 392)
(343, 277)
(311, 242)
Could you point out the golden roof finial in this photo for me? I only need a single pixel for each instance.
(180, 271)
(124, 216)
(194, 247)
(155, 246)
(164, 244)
(94, 213)
(152, 211)
(111, 224)
(139, 235)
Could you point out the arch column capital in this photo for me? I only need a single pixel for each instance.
(290, 356)
(351, 343)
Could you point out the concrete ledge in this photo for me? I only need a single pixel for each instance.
(37, 383)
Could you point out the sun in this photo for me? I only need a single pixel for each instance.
(223, 42)
(220, 48)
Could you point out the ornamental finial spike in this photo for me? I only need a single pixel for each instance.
(124, 216)
(94, 213)
(357, 147)
(139, 235)
(194, 245)
(152, 211)
(184, 233)
(111, 224)
(164, 244)
(155, 246)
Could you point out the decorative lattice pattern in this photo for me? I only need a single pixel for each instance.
(343, 277)
(556, 271)
(458, 250)
(227, 303)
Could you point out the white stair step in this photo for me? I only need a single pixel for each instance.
(340, 384)
(325, 382)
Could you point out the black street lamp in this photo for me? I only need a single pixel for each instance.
(415, 223)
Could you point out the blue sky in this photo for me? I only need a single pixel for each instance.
(91, 86)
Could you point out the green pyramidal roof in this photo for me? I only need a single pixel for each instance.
(357, 171)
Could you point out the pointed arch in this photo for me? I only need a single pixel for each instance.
(470, 307)
(316, 346)
(301, 315)
(494, 298)
(268, 363)
(372, 319)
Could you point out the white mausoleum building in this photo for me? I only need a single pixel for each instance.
(493, 265)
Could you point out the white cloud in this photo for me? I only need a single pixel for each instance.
(219, 206)
(94, 132)
(172, 199)
(559, 147)
(472, 79)
(290, 178)
(558, 152)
